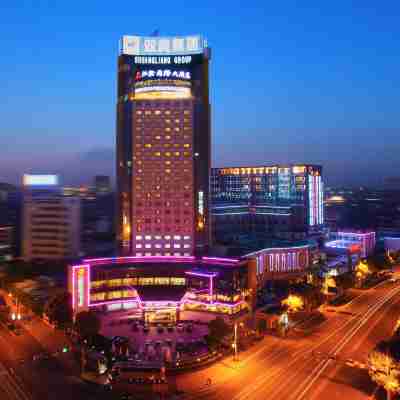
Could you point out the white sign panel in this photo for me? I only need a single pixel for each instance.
(139, 45)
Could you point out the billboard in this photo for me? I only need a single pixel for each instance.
(40, 180)
(142, 45)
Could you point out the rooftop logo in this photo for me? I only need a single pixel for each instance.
(138, 45)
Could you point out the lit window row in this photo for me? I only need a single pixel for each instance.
(166, 237)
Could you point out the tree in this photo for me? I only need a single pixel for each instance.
(87, 324)
(293, 302)
(384, 366)
(218, 329)
(362, 272)
(58, 309)
(262, 325)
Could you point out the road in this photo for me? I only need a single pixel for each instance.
(306, 366)
(21, 378)
(313, 365)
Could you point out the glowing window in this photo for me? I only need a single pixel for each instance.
(147, 237)
(148, 246)
(186, 145)
(138, 237)
(148, 145)
(138, 246)
(167, 246)
(167, 129)
(177, 237)
(168, 171)
(167, 162)
(157, 154)
(177, 246)
(158, 137)
(186, 237)
(157, 237)
(157, 112)
(138, 112)
(168, 154)
(158, 246)
(147, 112)
(167, 112)
(186, 246)
(178, 281)
(146, 281)
(177, 254)
(168, 237)
(177, 129)
(186, 112)
(167, 121)
(177, 153)
(167, 137)
(139, 254)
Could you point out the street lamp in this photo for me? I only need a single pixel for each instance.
(234, 344)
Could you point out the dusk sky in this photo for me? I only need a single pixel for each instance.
(291, 81)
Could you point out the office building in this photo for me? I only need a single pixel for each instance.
(51, 221)
(6, 243)
(163, 146)
(281, 200)
(102, 185)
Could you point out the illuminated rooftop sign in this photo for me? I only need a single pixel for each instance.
(142, 45)
(160, 73)
(40, 180)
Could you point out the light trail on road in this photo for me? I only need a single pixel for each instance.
(285, 367)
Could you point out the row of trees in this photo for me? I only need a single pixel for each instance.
(384, 365)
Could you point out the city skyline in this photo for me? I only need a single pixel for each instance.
(300, 90)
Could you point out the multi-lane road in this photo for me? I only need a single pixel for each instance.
(324, 364)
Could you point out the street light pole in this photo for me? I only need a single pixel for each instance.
(235, 341)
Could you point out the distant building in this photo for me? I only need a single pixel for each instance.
(362, 242)
(281, 200)
(102, 185)
(51, 221)
(6, 243)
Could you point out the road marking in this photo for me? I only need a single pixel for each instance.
(322, 365)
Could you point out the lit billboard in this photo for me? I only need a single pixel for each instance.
(142, 45)
(40, 180)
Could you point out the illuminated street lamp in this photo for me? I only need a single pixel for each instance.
(13, 316)
(234, 344)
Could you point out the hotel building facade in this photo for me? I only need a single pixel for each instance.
(163, 146)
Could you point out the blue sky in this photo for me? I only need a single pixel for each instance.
(291, 81)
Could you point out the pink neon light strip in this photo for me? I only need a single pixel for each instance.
(74, 268)
(230, 260)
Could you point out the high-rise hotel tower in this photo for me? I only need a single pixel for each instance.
(163, 146)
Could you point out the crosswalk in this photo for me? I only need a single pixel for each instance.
(10, 389)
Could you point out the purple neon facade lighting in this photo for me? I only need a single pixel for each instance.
(117, 260)
(219, 259)
(141, 259)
